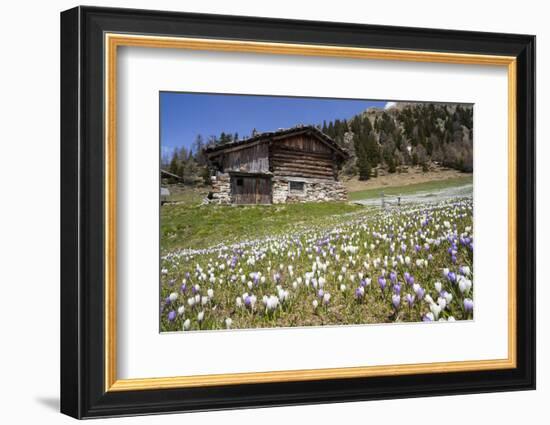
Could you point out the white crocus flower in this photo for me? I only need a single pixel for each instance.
(228, 323)
(200, 316)
(437, 286)
(186, 325)
(173, 296)
(464, 285)
(210, 293)
(181, 310)
(315, 303)
(272, 303)
(435, 309)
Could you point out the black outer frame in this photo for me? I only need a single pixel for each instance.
(82, 212)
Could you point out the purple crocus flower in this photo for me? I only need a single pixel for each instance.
(247, 301)
(396, 300)
(410, 299)
(393, 277)
(468, 304)
(321, 293)
(427, 318)
(397, 288)
(382, 282)
(451, 276)
(407, 276)
(183, 287)
(359, 292)
(172, 316)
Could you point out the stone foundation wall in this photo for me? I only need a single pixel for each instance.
(314, 191)
(221, 189)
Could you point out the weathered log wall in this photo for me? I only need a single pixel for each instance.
(253, 159)
(302, 156)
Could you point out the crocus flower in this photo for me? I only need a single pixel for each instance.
(272, 303)
(396, 300)
(200, 316)
(326, 298)
(172, 316)
(360, 292)
(228, 323)
(410, 299)
(435, 309)
(468, 304)
(418, 290)
(186, 325)
(315, 304)
(181, 310)
(428, 317)
(382, 282)
(464, 285)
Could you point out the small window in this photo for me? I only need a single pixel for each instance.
(296, 186)
(239, 181)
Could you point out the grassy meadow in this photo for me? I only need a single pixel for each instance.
(309, 264)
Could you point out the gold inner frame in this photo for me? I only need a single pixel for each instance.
(113, 41)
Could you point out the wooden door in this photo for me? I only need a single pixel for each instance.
(251, 189)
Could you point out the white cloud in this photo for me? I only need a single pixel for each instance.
(389, 105)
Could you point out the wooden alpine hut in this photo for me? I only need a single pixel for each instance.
(299, 164)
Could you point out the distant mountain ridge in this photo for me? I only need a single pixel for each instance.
(404, 134)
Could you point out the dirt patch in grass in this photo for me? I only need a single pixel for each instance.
(414, 175)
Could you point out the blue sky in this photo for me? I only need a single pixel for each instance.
(185, 115)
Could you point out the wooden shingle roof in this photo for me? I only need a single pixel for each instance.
(279, 135)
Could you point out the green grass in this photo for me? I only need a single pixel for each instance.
(192, 225)
(412, 188)
(342, 249)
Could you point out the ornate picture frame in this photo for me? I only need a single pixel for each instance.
(90, 41)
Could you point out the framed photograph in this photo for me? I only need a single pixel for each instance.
(261, 212)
